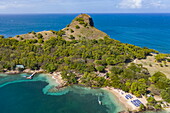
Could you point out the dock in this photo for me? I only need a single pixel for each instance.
(31, 76)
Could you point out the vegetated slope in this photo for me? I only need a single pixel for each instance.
(153, 65)
(80, 27)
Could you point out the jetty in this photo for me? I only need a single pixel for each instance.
(31, 76)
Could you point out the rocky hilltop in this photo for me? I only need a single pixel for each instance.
(81, 27)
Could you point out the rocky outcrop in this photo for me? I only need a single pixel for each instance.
(83, 27)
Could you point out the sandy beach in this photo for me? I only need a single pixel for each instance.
(126, 102)
(58, 78)
(116, 92)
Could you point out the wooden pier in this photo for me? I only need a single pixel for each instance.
(31, 76)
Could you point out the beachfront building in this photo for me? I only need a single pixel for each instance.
(19, 67)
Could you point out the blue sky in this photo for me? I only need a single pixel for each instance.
(84, 6)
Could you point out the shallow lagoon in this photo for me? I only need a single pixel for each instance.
(19, 95)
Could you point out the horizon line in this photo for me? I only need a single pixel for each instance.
(92, 13)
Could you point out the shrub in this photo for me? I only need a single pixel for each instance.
(161, 65)
(21, 38)
(40, 40)
(39, 36)
(52, 31)
(100, 68)
(161, 57)
(150, 65)
(68, 25)
(33, 32)
(81, 22)
(79, 19)
(85, 25)
(17, 36)
(77, 27)
(71, 30)
(166, 95)
(72, 37)
(1, 36)
(60, 33)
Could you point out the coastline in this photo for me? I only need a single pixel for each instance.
(119, 98)
(61, 83)
(116, 92)
(58, 79)
(126, 102)
(11, 72)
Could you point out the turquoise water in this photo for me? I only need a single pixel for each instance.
(18, 95)
(145, 30)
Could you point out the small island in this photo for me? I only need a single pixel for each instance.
(83, 55)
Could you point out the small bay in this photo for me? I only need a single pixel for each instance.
(32, 96)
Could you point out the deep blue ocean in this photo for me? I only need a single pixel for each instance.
(144, 30)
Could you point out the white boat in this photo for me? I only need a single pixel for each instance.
(100, 102)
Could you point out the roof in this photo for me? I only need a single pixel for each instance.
(19, 66)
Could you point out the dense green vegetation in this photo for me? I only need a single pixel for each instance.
(153, 104)
(163, 84)
(161, 57)
(76, 55)
(85, 57)
(95, 63)
(132, 78)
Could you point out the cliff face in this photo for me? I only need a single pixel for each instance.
(82, 27)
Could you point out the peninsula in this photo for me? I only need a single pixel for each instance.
(81, 54)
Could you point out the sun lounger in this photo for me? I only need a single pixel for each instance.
(126, 97)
